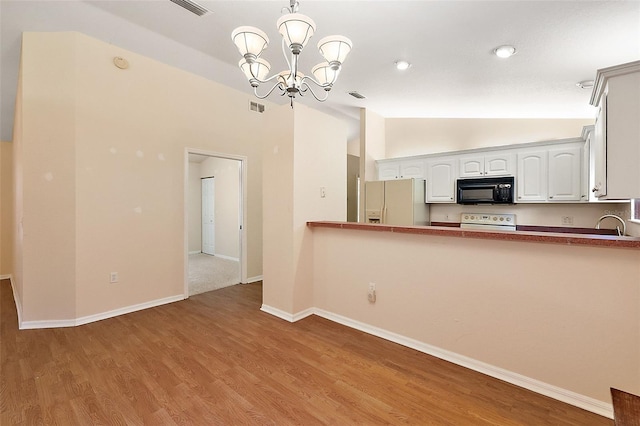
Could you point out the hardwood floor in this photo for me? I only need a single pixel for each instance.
(216, 359)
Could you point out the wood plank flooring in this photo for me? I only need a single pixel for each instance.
(216, 359)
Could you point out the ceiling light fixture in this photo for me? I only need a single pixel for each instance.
(504, 51)
(296, 30)
(402, 65)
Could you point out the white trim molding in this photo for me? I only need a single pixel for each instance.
(564, 395)
(27, 325)
(285, 315)
(222, 256)
(254, 279)
(195, 252)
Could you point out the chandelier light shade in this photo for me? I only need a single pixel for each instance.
(250, 41)
(296, 30)
(324, 73)
(334, 48)
(255, 71)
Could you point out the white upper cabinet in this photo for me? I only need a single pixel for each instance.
(441, 180)
(587, 174)
(471, 166)
(616, 139)
(499, 164)
(400, 169)
(531, 184)
(565, 171)
(551, 173)
(412, 169)
(388, 170)
(489, 164)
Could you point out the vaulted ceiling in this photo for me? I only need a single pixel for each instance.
(454, 72)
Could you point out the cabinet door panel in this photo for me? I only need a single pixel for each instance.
(564, 174)
(412, 169)
(499, 164)
(599, 150)
(388, 171)
(532, 176)
(471, 166)
(441, 181)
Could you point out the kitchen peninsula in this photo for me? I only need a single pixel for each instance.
(593, 240)
(558, 314)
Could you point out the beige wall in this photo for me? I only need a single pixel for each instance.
(353, 147)
(277, 211)
(307, 152)
(416, 136)
(194, 219)
(47, 154)
(103, 154)
(564, 315)
(6, 208)
(227, 204)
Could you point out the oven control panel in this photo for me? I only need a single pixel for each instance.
(488, 221)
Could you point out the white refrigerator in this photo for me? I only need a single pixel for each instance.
(396, 202)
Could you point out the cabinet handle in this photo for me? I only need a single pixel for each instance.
(550, 196)
(595, 189)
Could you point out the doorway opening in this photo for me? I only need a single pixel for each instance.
(215, 219)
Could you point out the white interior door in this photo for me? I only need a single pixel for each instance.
(208, 216)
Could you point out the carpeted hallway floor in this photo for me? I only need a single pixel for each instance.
(208, 273)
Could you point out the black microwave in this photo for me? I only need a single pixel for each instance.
(486, 190)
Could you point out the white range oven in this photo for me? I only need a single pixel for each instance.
(488, 221)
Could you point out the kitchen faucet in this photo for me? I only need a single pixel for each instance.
(624, 225)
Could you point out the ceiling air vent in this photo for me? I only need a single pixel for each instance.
(191, 6)
(256, 107)
(356, 95)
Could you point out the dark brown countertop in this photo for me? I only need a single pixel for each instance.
(612, 241)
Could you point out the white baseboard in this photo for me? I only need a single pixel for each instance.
(254, 279)
(564, 395)
(97, 317)
(222, 256)
(285, 315)
(195, 252)
(5, 277)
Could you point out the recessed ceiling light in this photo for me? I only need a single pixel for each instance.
(504, 51)
(586, 84)
(402, 65)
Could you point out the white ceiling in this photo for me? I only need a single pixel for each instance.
(449, 43)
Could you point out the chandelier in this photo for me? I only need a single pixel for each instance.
(296, 30)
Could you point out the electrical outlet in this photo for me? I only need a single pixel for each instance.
(372, 293)
(323, 192)
(567, 220)
(114, 277)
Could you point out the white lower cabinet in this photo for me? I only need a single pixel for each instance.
(441, 180)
